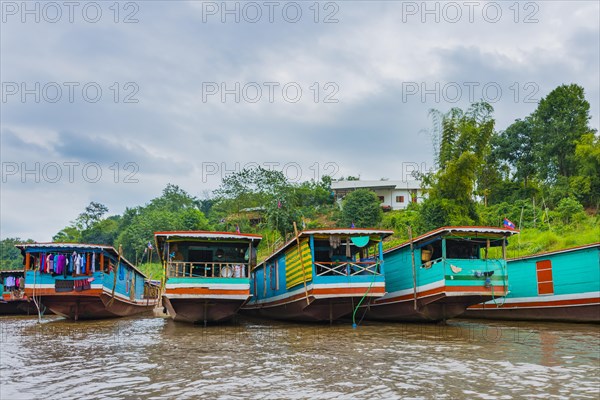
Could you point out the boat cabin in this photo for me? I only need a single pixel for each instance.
(207, 254)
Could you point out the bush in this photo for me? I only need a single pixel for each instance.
(569, 210)
(361, 208)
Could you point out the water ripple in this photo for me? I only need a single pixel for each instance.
(157, 358)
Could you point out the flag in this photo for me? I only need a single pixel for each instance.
(352, 226)
(150, 246)
(508, 224)
(237, 229)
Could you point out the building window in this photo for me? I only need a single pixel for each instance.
(544, 277)
(381, 199)
(399, 199)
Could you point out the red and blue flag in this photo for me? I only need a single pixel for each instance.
(508, 224)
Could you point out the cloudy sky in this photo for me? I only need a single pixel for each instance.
(110, 103)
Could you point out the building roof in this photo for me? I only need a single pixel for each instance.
(341, 185)
(80, 246)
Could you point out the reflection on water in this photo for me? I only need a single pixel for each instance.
(159, 358)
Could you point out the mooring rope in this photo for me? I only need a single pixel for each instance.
(354, 325)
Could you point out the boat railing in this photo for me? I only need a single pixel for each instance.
(182, 269)
(430, 263)
(347, 268)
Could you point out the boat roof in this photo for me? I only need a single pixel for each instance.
(472, 231)
(208, 235)
(11, 271)
(80, 246)
(551, 253)
(330, 232)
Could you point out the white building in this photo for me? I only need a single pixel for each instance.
(396, 195)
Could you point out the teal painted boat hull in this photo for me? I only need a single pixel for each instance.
(556, 286)
(451, 273)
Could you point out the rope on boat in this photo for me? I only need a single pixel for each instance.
(354, 325)
(37, 306)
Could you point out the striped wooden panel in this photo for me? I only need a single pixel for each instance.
(294, 274)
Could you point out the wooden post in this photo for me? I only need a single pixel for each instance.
(265, 280)
(249, 259)
(534, 216)
(487, 248)
(414, 267)
(102, 262)
(504, 248)
(88, 267)
(301, 262)
(27, 261)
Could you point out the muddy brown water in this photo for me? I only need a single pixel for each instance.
(149, 357)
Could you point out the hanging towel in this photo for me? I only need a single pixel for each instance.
(360, 241)
(78, 264)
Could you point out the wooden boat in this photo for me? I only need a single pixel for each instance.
(85, 281)
(561, 285)
(206, 273)
(439, 274)
(13, 300)
(320, 275)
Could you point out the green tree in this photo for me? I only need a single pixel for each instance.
(92, 214)
(69, 234)
(560, 120)
(361, 208)
(568, 209)
(175, 209)
(269, 192)
(104, 231)
(586, 185)
(464, 140)
(10, 256)
(516, 146)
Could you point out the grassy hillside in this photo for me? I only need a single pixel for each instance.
(531, 240)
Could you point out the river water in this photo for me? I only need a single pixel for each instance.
(152, 357)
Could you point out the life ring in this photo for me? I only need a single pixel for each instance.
(226, 272)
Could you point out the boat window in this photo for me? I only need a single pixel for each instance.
(431, 251)
(462, 249)
(342, 256)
